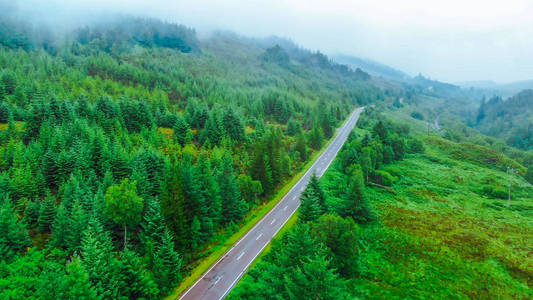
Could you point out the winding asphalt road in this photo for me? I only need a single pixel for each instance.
(224, 274)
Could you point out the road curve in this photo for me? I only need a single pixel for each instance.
(224, 274)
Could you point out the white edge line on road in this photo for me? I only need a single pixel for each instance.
(357, 111)
(255, 256)
(262, 248)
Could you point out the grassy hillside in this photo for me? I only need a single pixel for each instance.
(446, 232)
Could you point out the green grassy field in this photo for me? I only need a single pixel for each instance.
(446, 233)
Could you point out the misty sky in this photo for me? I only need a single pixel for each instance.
(449, 40)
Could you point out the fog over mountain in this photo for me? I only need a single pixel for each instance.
(446, 40)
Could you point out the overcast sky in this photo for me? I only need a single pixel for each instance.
(449, 40)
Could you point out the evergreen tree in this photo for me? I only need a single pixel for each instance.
(293, 128)
(75, 284)
(77, 224)
(60, 228)
(168, 264)
(209, 190)
(261, 171)
(134, 280)
(380, 131)
(47, 213)
(365, 160)
(339, 235)
(316, 138)
(314, 188)
(212, 130)
(309, 208)
(301, 147)
(153, 224)
(315, 280)
(233, 208)
(97, 254)
(50, 169)
(354, 203)
(31, 214)
(173, 206)
(13, 233)
(181, 130)
(232, 124)
(4, 112)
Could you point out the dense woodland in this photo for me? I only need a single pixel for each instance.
(127, 148)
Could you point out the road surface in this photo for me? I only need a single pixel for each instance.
(224, 274)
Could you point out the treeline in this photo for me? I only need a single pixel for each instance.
(508, 119)
(119, 166)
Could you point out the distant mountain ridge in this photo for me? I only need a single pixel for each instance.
(500, 89)
(370, 66)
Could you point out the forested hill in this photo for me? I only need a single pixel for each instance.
(510, 119)
(132, 148)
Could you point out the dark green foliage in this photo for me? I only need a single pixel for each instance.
(83, 111)
(148, 172)
(293, 127)
(13, 233)
(8, 81)
(250, 189)
(98, 260)
(181, 130)
(153, 224)
(232, 125)
(301, 147)
(173, 206)
(4, 112)
(417, 115)
(316, 138)
(31, 213)
(60, 228)
(233, 206)
(276, 55)
(297, 268)
(415, 146)
(213, 131)
(354, 203)
(47, 214)
(134, 281)
(380, 131)
(340, 237)
(75, 284)
(313, 201)
(167, 264)
(261, 170)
